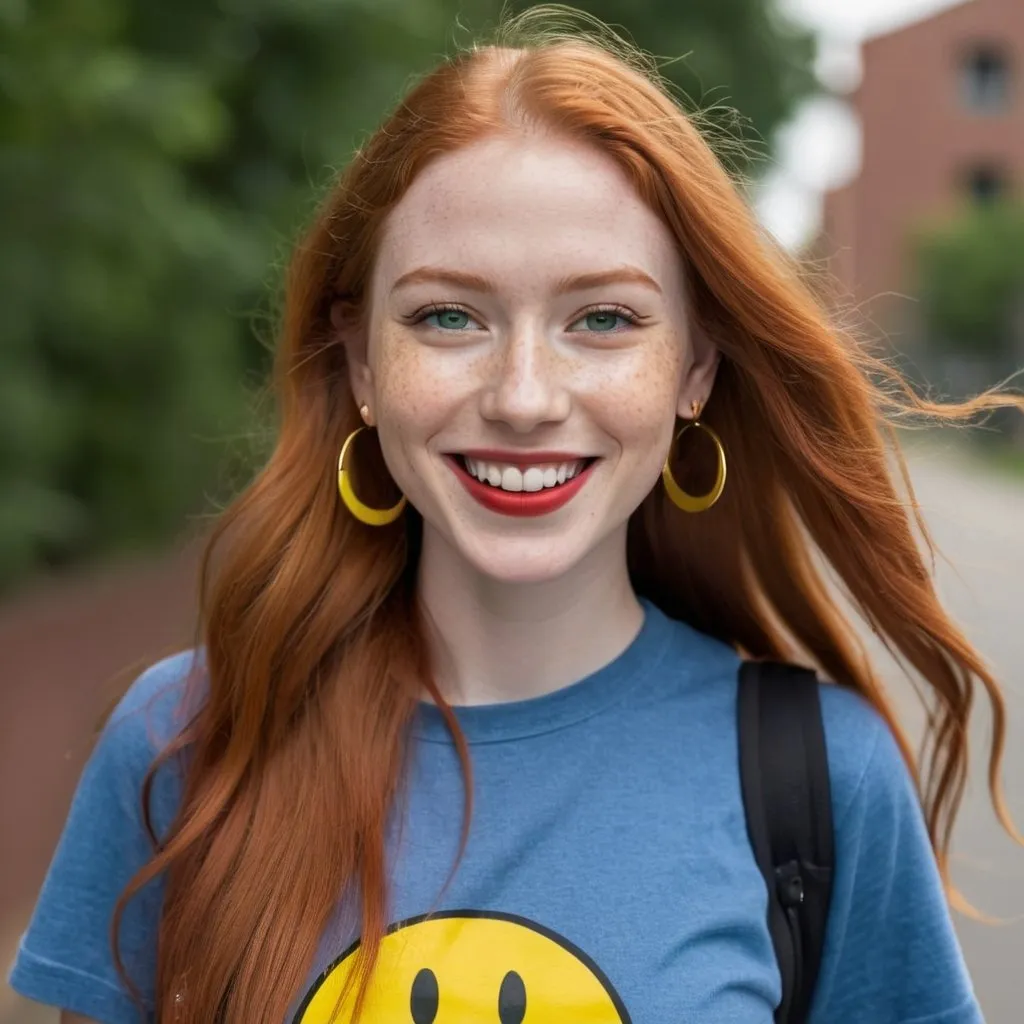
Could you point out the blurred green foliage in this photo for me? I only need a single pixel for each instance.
(155, 159)
(971, 282)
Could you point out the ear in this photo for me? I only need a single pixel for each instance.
(350, 332)
(699, 374)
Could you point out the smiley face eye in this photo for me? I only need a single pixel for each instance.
(423, 998)
(512, 999)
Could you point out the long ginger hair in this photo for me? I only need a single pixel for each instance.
(315, 656)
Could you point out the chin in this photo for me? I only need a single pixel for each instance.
(520, 560)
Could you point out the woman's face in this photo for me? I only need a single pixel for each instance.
(526, 352)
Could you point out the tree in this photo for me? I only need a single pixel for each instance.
(971, 282)
(739, 57)
(156, 159)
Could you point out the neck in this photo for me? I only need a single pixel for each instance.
(492, 641)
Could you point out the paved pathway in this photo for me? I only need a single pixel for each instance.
(977, 520)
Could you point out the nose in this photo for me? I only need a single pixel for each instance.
(527, 385)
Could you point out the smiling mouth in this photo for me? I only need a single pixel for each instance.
(521, 489)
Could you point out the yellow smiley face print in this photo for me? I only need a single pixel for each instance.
(467, 966)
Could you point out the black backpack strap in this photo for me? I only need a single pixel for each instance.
(786, 794)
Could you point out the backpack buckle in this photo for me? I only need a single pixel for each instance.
(789, 884)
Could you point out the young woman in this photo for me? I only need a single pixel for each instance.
(460, 743)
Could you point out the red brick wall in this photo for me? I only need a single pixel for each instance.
(918, 136)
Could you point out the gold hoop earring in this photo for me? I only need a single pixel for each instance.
(679, 497)
(364, 513)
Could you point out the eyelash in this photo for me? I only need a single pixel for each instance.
(438, 307)
(449, 307)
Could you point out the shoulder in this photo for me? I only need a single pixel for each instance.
(863, 755)
(161, 688)
(157, 705)
(161, 697)
(890, 952)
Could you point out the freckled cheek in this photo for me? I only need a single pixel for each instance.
(418, 390)
(637, 405)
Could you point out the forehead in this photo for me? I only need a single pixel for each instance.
(532, 206)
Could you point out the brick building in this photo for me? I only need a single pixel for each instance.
(941, 108)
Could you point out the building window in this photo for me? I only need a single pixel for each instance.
(985, 79)
(986, 183)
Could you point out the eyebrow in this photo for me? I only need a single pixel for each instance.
(576, 283)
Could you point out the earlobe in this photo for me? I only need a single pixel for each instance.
(698, 381)
(360, 380)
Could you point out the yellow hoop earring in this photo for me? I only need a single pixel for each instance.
(679, 497)
(364, 513)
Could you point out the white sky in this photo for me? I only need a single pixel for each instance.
(819, 148)
(857, 18)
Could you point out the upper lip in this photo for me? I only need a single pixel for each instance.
(520, 457)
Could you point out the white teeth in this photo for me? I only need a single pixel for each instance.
(530, 478)
(533, 479)
(511, 479)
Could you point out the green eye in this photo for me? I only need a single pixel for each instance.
(448, 319)
(601, 321)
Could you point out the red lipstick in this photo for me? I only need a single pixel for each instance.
(520, 503)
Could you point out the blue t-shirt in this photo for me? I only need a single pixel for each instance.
(608, 876)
